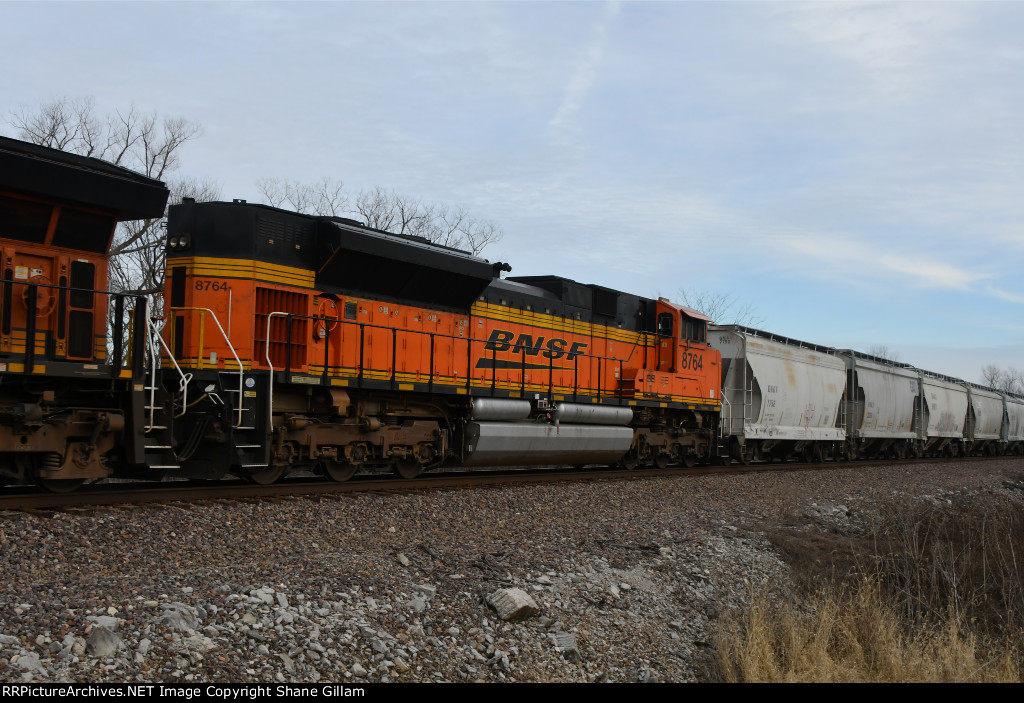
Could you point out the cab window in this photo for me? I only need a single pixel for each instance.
(665, 324)
(696, 330)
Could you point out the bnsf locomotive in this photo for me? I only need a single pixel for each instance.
(70, 388)
(289, 342)
(317, 343)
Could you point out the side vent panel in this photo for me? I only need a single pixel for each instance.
(270, 300)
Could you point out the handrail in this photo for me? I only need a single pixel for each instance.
(470, 341)
(182, 385)
(721, 425)
(231, 348)
(270, 364)
(114, 320)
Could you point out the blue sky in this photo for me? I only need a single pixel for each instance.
(854, 170)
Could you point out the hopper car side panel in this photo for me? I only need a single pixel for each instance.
(780, 396)
(881, 407)
(986, 415)
(1015, 421)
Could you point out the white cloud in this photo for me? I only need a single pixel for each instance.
(1006, 295)
(889, 43)
(585, 74)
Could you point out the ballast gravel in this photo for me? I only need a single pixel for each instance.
(600, 581)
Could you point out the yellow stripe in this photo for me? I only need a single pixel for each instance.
(502, 313)
(209, 267)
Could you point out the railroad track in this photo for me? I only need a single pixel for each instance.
(137, 493)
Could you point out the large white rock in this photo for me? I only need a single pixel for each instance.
(513, 604)
(102, 643)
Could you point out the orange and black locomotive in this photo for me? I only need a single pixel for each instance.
(71, 372)
(300, 342)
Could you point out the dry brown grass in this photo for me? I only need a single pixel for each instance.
(857, 639)
(924, 592)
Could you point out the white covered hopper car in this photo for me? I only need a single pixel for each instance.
(785, 398)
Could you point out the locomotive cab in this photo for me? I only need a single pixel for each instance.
(682, 334)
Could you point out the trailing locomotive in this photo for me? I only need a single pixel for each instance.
(67, 406)
(291, 342)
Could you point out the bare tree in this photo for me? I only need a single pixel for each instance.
(382, 209)
(1008, 380)
(140, 262)
(722, 308)
(132, 139)
(325, 197)
(882, 351)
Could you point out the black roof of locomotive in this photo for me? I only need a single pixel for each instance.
(345, 256)
(81, 180)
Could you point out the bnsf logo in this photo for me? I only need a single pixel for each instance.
(501, 340)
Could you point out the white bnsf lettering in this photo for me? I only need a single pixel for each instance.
(554, 348)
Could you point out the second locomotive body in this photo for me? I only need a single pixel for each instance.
(319, 343)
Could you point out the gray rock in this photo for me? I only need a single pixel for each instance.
(144, 645)
(289, 664)
(180, 617)
(403, 560)
(282, 600)
(106, 621)
(425, 589)
(565, 644)
(545, 581)
(358, 670)
(9, 639)
(513, 604)
(30, 662)
(102, 643)
(418, 604)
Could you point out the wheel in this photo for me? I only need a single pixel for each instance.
(689, 459)
(59, 485)
(629, 462)
(266, 476)
(408, 468)
(661, 461)
(339, 471)
(31, 465)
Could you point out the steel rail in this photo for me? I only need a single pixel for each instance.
(28, 498)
